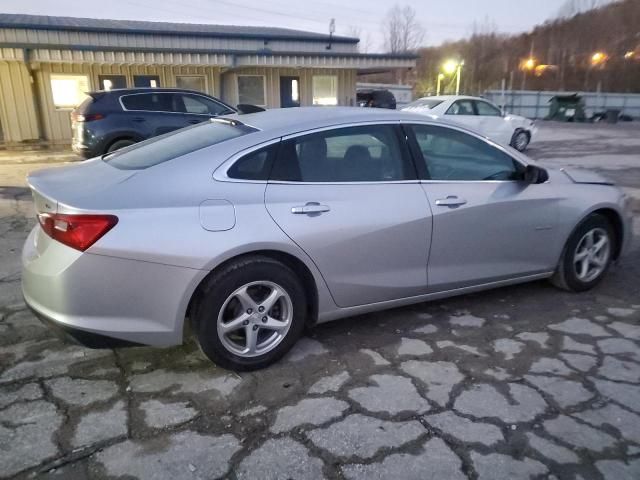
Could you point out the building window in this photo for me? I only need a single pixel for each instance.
(142, 81)
(109, 82)
(191, 82)
(325, 90)
(251, 90)
(68, 91)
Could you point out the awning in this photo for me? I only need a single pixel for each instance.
(222, 59)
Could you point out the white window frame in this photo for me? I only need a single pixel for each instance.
(206, 82)
(67, 76)
(313, 89)
(264, 87)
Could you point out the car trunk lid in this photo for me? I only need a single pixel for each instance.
(62, 189)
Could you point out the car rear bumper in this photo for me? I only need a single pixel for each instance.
(101, 300)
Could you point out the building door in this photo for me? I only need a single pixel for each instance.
(142, 81)
(289, 92)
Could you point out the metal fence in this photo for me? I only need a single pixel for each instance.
(533, 104)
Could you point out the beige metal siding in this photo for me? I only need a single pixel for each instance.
(171, 42)
(57, 122)
(346, 84)
(17, 110)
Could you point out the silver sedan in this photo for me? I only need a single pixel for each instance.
(255, 226)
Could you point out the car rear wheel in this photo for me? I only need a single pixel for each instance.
(250, 314)
(587, 255)
(118, 144)
(520, 140)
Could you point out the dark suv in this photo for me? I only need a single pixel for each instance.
(109, 120)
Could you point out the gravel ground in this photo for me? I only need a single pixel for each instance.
(516, 383)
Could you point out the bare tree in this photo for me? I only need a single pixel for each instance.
(402, 31)
(571, 8)
(365, 40)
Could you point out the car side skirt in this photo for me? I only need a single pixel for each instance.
(374, 307)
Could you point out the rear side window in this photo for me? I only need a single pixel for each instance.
(150, 102)
(461, 107)
(371, 153)
(174, 144)
(255, 165)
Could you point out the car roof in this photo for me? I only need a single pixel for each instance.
(291, 120)
(121, 91)
(451, 97)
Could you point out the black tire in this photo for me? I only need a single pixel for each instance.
(566, 276)
(520, 140)
(221, 285)
(118, 144)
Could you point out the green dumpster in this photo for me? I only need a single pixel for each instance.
(567, 108)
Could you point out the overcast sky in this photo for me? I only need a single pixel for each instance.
(441, 19)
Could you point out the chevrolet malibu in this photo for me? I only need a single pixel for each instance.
(255, 226)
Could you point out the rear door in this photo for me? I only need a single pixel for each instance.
(350, 199)
(492, 123)
(154, 112)
(488, 224)
(463, 112)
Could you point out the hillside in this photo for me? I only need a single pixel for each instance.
(563, 51)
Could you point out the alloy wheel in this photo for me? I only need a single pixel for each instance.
(592, 255)
(255, 318)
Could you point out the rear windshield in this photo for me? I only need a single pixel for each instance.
(175, 144)
(423, 103)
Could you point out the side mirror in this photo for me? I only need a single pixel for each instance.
(245, 108)
(534, 174)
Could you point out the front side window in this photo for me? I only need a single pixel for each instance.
(68, 91)
(203, 106)
(487, 109)
(325, 90)
(251, 90)
(461, 107)
(191, 82)
(150, 102)
(354, 154)
(453, 155)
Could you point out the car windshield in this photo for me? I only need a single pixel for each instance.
(175, 144)
(423, 103)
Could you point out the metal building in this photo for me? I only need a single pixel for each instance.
(47, 63)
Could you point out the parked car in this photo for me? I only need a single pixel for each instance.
(375, 98)
(480, 115)
(255, 226)
(109, 120)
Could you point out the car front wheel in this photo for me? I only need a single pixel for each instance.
(520, 140)
(250, 314)
(587, 255)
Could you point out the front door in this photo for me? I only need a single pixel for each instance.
(349, 198)
(289, 92)
(488, 224)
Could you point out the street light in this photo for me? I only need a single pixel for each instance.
(440, 78)
(451, 67)
(599, 58)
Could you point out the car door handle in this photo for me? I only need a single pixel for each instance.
(138, 119)
(310, 208)
(451, 201)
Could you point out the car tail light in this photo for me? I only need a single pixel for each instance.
(76, 231)
(78, 117)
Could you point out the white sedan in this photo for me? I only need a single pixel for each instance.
(480, 115)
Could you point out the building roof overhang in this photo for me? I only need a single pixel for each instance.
(222, 58)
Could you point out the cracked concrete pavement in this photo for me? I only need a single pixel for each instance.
(516, 383)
